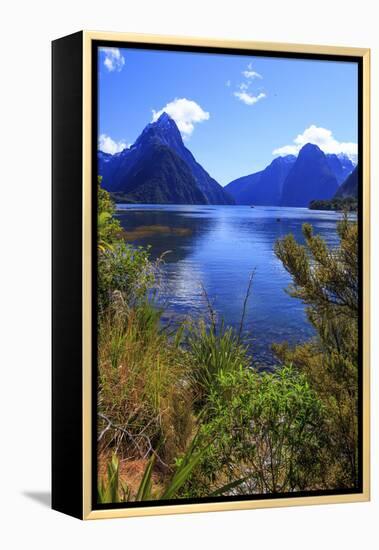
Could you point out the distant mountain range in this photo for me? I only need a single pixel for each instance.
(341, 166)
(158, 168)
(294, 181)
(264, 188)
(345, 198)
(350, 186)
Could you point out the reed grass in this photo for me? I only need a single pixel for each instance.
(144, 395)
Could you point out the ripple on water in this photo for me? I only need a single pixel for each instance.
(215, 248)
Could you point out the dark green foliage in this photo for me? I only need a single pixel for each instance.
(121, 268)
(348, 204)
(326, 280)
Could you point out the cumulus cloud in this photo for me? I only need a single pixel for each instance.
(250, 74)
(323, 138)
(113, 59)
(108, 145)
(185, 112)
(249, 99)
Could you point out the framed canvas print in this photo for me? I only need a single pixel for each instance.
(210, 275)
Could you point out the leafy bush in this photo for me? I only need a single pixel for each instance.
(266, 429)
(122, 268)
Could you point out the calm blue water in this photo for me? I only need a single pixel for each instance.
(220, 248)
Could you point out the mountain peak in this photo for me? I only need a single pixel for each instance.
(156, 158)
(341, 165)
(348, 159)
(165, 122)
(164, 117)
(309, 148)
(163, 130)
(311, 178)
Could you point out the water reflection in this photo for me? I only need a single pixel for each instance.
(219, 249)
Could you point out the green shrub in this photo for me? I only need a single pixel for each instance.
(326, 279)
(265, 428)
(289, 430)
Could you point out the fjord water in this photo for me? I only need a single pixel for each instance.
(217, 248)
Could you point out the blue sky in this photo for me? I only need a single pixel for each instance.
(235, 113)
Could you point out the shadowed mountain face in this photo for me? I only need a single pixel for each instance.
(309, 179)
(162, 177)
(158, 168)
(340, 165)
(263, 188)
(293, 181)
(350, 186)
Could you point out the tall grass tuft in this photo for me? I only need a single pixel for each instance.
(213, 351)
(144, 397)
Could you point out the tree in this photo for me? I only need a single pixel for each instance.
(326, 279)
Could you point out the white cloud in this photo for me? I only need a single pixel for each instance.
(249, 73)
(113, 59)
(249, 99)
(228, 83)
(323, 138)
(242, 92)
(108, 145)
(185, 112)
(286, 150)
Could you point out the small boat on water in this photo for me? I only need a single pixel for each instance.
(252, 206)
